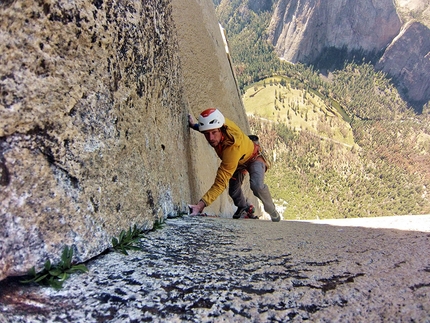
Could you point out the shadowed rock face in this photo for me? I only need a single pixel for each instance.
(93, 135)
(300, 30)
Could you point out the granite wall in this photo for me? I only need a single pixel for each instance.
(93, 108)
(208, 82)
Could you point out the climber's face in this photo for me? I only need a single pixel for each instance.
(213, 136)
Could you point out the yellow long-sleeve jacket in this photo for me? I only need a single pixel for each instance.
(236, 149)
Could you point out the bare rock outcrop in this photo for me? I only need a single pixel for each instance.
(300, 30)
(93, 135)
(307, 31)
(407, 61)
(413, 9)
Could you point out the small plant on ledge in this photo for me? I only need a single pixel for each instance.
(158, 224)
(127, 240)
(55, 275)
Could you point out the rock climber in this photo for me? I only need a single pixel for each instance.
(239, 155)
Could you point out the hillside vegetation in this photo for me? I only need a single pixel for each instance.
(343, 144)
(330, 163)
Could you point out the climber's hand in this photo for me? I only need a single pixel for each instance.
(191, 122)
(197, 209)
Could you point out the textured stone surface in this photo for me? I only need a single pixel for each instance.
(407, 60)
(223, 270)
(208, 82)
(91, 100)
(300, 30)
(415, 9)
(93, 133)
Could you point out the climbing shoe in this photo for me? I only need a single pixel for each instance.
(250, 213)
(245, 212)
(275, 216)
(239, 212)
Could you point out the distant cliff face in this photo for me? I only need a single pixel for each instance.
(414, 10)
(303, 31)
(93, 110)
(300, 30)
(407, 60)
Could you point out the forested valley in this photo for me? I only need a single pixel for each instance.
(343, 142)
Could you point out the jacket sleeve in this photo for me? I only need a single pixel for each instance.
(229, 162)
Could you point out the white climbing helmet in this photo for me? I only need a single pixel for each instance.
(211, 119)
